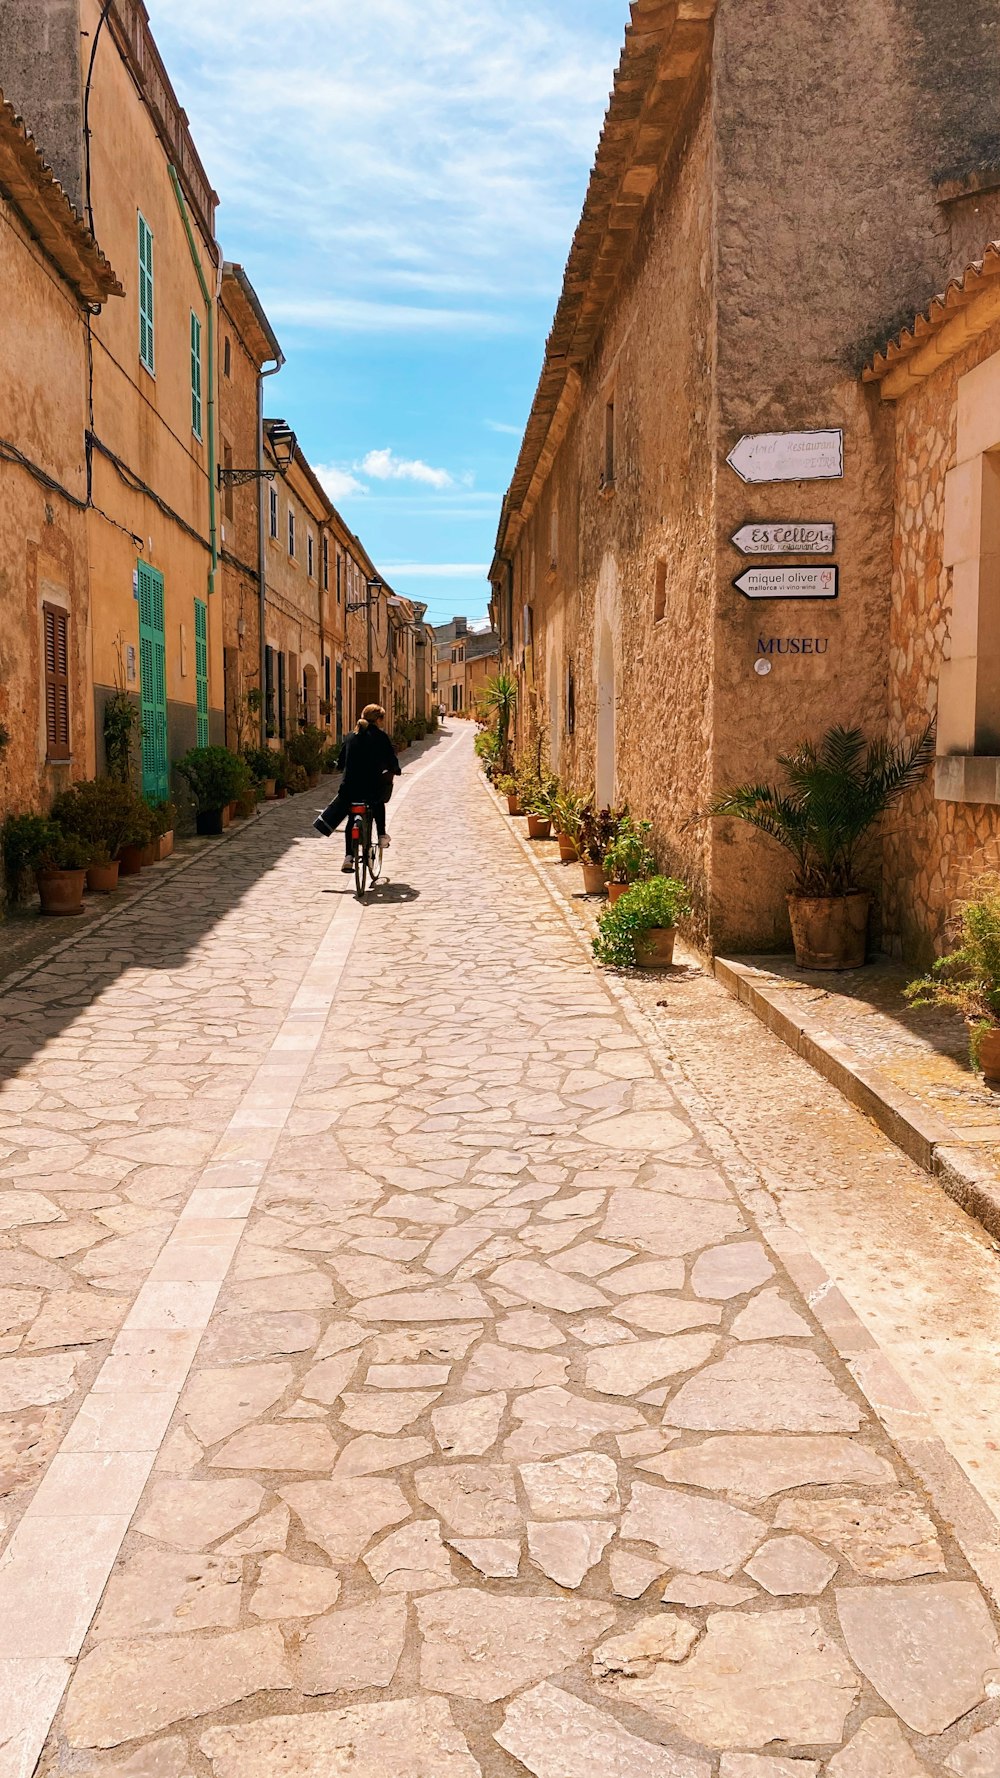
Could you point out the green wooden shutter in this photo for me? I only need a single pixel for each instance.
(146, 341)
(195, 375)
(201, 668)
(153, 684)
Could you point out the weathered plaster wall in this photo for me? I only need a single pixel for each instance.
(40, 75)
(238, 525)
(934, 849)
(42, 536)
(655, 356)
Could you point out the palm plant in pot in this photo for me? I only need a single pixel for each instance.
(599, 829)
(639, 928)
(628, 859)
(567, 810)
(498, 703)
(968, 978)
(836, 791)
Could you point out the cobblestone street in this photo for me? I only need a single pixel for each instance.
(418, 1363)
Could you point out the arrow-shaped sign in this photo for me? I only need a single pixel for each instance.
(785, 537)
(788, 583)
(789, 456)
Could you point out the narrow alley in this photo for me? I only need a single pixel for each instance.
(407, 1371)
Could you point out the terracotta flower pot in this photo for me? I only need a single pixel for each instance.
(281, 792)
(102, 878)
(164, 845)
(130, 861)
(989, 1055)
(232, 810)
(61, 891)
(655, 949)
(514, 805)
(616, 891)
(594, 879)
(539, 827)
(829, 931)
(211, 820)
(270, 790)
(568, 850)
(148, 855)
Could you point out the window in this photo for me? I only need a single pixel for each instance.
(147, 354)
(454, 697)
(273, 512)
(340, 565)
(56, 632)
(281, 697)
(660, 591)
(269, 711)
(201, 670)
(196, 415)
(326, 565)
(608, 478)
(326, 680)
(554, 537)
(291, 532)
(570, 702)
(227, 357)
(310, 555)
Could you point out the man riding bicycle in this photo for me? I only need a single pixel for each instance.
(369, 764)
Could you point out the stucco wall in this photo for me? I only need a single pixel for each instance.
(655, 354)
(239, 524)
(935, 848)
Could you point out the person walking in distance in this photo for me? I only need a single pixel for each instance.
(369, 764)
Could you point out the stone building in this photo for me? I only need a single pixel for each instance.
(303, 626)
(152, 521)
(940, 379)
(248, 352)
(449, 649)
(52, 270)
(482, 658)
(770, 196)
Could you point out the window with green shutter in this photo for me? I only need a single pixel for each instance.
(153, 684)
(201, 668)
(147, 353)
(195, 375)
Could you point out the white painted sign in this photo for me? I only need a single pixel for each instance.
(789, 456)
(785, 537)
(788, 583)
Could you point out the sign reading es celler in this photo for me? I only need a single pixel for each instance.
(785, 537)
(788, 583)
(789, 456)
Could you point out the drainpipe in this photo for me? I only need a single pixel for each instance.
(262, 544)
(210, 329)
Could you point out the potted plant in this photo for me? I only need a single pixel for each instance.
(23, 839)
(135, 849)
(216, 777)
(641, 926)
(540, 809)
(567, 809)
(506, 783)
(164, 817)
(306, 749)
(58, 859)
(836, 791)
(282, 767)
(968, 978)
(628, 859)
(102, 812)
(259, 762)
(296, 779)
(498, 703)
(598, 830)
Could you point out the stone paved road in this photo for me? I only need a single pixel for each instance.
(461, 1421)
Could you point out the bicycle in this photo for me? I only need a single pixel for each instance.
(365, 846)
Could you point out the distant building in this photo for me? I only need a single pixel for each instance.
(482, 657)
(449, 649)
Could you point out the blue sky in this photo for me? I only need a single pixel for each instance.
(401, 179)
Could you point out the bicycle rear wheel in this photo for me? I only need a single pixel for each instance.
(374, 855)
(361, 854)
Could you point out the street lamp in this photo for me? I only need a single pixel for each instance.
(372, 590)
(283, 443)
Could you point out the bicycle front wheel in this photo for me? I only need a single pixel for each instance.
(374, 855)
(361, 858)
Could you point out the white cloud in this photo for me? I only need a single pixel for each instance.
(502, 426)
(435, 570)
(385, 466)
(340, 484)
(343, 315)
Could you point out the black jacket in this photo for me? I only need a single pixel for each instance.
(369, 764)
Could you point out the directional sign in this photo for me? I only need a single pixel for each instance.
(785, 537)
(788, 583)
(789, 456)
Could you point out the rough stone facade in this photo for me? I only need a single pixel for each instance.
(766, 205)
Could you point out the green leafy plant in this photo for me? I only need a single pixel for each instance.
(836, 791)
(122, 724)
(628, 859)
(296, 778)
(101, 811)
(543, 799)
(306, 749)
(164, 816)
(498, 704)
(24, 840)
(259, 762)
(655, 904)
(567, 813)
(331, 756)
(216, 776)
(141, 829)
(487, 749)
(599, 829)
(506, 783)
(968, 978)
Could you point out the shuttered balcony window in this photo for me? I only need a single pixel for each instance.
(196, 415)
(147, 352)
(201, 670)
(56, 641)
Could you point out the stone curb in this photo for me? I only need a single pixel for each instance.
(956, 1499)
(964, 1169)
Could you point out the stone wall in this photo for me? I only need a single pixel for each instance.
(933, 849)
